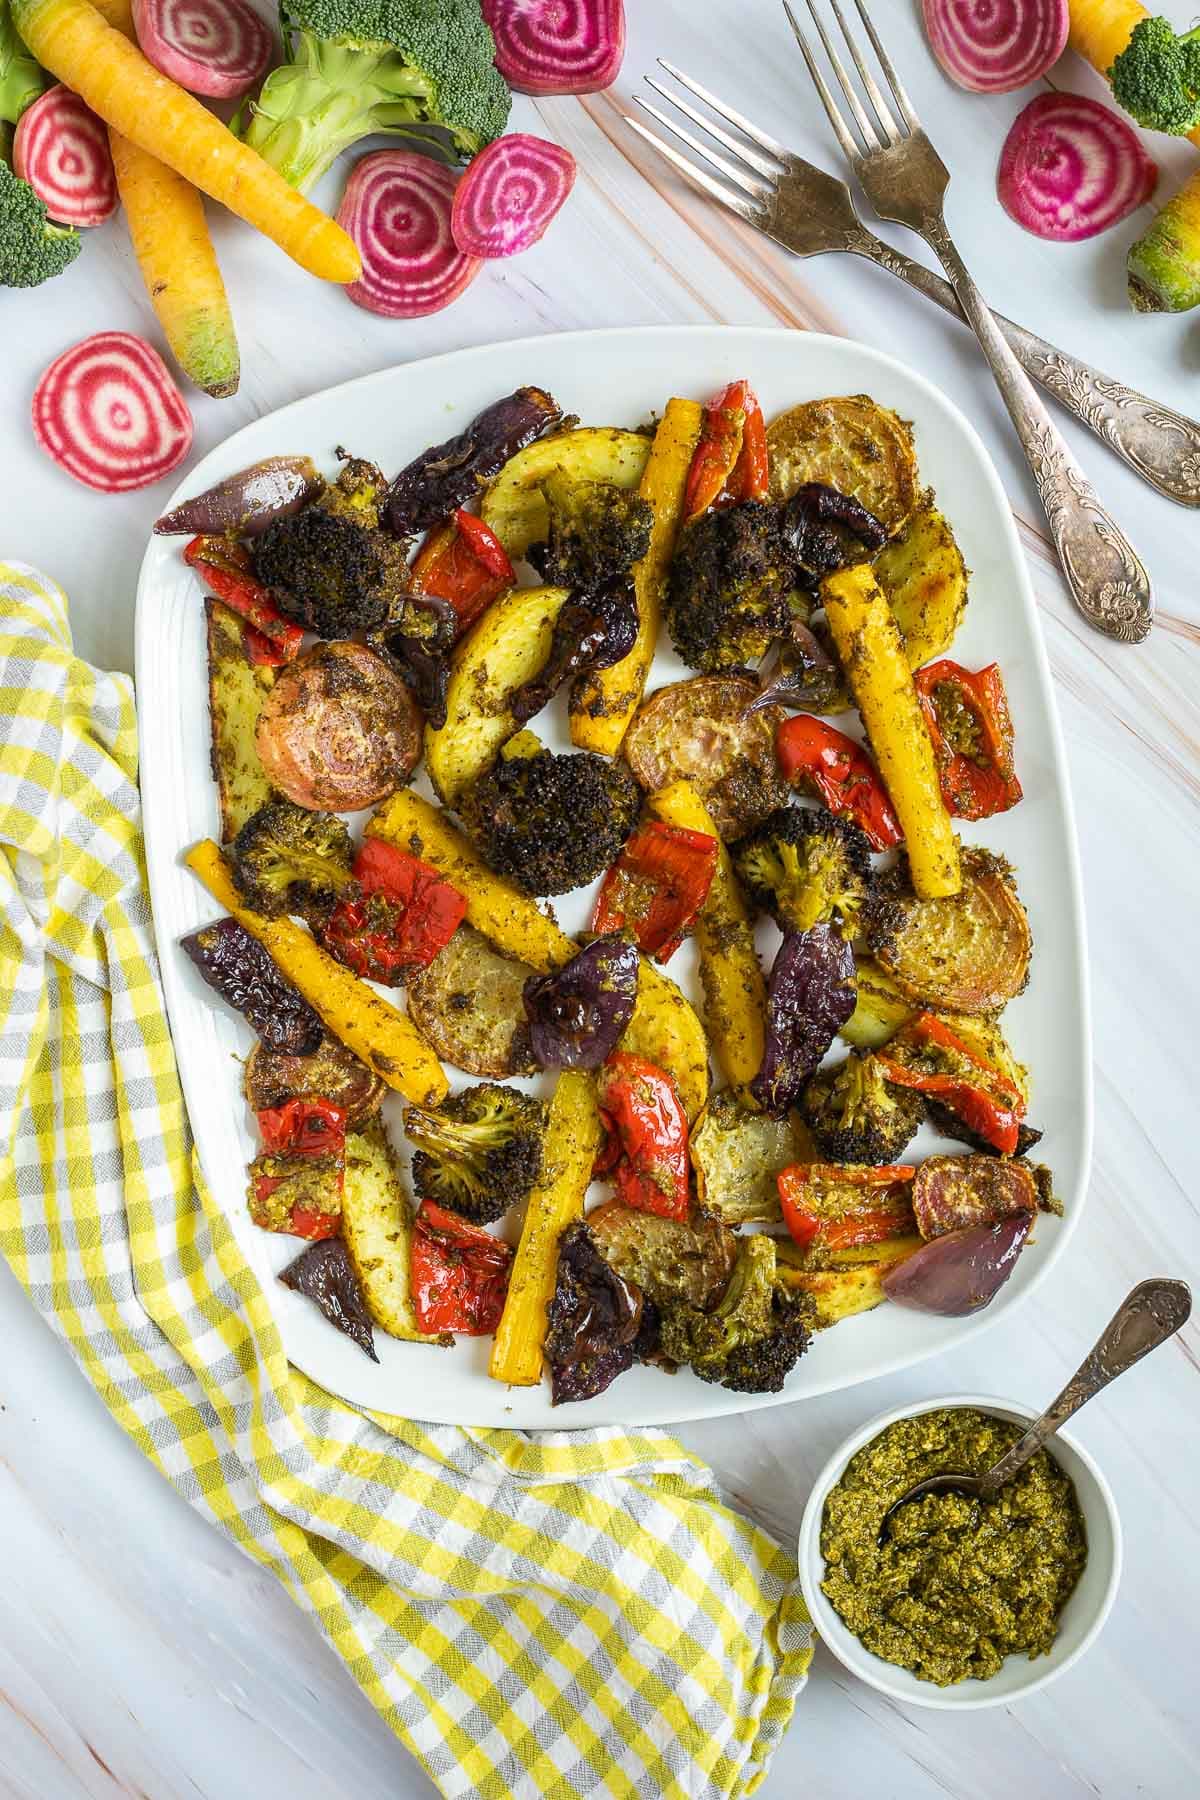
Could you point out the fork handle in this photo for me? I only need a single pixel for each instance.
(1158, 443)
(1104, 574)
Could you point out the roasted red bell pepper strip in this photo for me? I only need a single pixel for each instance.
(396, 918)
(751, 478)
(463, 562)
(842, 773)
(220, 566)
(974, 1090)
(971, 730)
(306, 1125)
(656, 887)
(715, 456)
(800, 1186)
(459, 1273)
(640, 1106)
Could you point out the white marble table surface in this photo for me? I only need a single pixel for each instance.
(139, 1653)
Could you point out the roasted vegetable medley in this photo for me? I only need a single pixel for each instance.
(583, 1196)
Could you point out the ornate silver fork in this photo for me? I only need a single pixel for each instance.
(905, 180)
(809, 212)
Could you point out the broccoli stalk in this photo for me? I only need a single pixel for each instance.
(479, 1153)
(363, 66)
(1156, 78)
(21, 78)
(753, 1337)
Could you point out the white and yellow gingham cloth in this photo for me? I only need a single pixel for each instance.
(551, 1614)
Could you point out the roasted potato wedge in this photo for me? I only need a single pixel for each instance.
(697, 731)
(968, 952)
(669, 1259)
(737, 1154)
(851, 443)
(924, 580)
(880, 1009)
(513, 505)
(377, 1227)
(508, 645)
(236, 691)
(853, 1285)
(467, 1007)
(666, 1030)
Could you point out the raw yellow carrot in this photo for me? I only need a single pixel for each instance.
(175, 253)
(386, 1040)
(572, 1140)
(602, 705)
(70, 38)
(735, 993)
(871, 649)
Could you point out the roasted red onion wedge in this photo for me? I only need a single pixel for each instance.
(962, 1272)
(248, 501)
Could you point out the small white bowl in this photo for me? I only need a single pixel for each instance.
(1081, 1619)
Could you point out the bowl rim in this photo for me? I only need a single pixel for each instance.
(872, 1669)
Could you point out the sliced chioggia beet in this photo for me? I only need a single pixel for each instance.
(557, 46)
(61, 149)
(509, 195)
(220, 48)
(108, 412)
(996, 46)
(1070, 168)
(397, 209)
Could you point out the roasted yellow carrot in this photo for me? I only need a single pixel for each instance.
(602, 705)
(572, 1140)
(386, 1040)
(871, 649)
(72, 40)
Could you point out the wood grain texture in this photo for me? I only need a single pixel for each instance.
(139, 1653)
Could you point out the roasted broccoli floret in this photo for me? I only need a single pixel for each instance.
(806, 867)
(289, 860)
(330, 567)
(754, 1335)
(732, 588)
(356, 67)
(597, 532)
(857, 1116)
(551, 823)
(1156, 78)
(480, 1152)
(32, 250)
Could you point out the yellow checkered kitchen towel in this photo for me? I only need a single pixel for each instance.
(550, 1614)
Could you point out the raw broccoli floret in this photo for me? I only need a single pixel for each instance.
(363, 66)
(289, 860)
(32, 250)
(732, 589)
(1156, 78)
(551, 823)
(754, 1335)
(857, 1115)
(597, 532)
(806, 867)
(480, 1152)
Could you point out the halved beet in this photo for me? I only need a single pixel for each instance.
(509, 195)
(1070, 168)
(557, 46)
(995, 46)
(339, 729)
(396, 207)
(108, 412)
(61, 149)
(220, 48)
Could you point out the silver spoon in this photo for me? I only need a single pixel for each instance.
(1151, 1312)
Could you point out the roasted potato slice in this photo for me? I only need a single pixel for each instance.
(852, 1284)
(377, 1227)
(508, 645)
(880, 1009)
(924, 580)
(968, 952)
(851, 443)
(513, 505)
(467, 1007)
(669, 1259)
(236, 691)
(697, 731)
(737, 1154)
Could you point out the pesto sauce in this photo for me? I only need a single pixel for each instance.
(960, 1584)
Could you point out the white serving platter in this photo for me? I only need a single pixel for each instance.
(619, 377)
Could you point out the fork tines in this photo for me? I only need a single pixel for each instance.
(747, 177)
(882, 131)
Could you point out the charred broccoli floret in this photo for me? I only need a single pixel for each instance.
(479, 1153)
(732, 588)
(597, 532)
(551, 823)
(330, 567)
(289, 860)
(806, 867)
(857, 1115)
(754, 1335)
